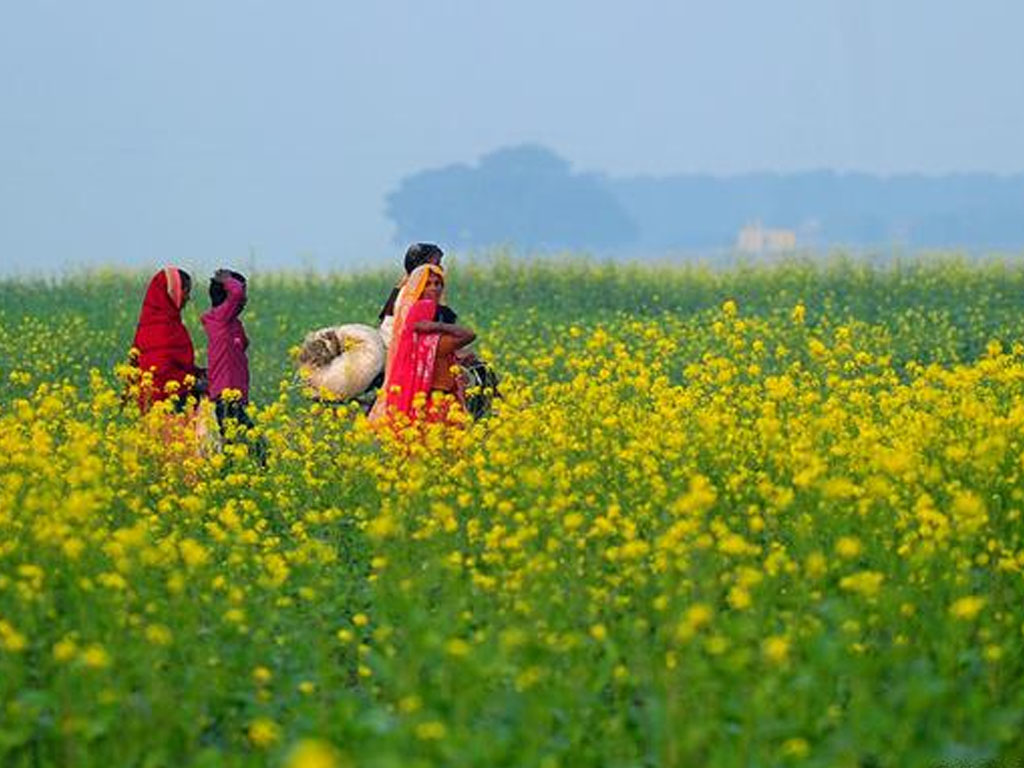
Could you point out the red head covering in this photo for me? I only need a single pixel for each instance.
(163, 342)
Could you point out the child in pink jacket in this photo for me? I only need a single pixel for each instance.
(226, 354)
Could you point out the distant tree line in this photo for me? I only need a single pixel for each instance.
(530, 197)
(523, 195)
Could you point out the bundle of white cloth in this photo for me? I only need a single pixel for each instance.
(342, 360)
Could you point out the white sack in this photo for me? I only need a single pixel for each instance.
(343, 359)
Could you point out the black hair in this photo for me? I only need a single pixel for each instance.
(420, 254)
(218, 293)
(186, 280)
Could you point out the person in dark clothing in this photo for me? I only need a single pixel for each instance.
(417, 255)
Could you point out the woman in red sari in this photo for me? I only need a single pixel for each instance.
(163, 343)
(419, 380)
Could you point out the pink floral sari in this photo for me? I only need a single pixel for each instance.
(412, 367)
(409, 370)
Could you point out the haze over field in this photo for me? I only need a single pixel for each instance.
(532, 198)
(262, 134)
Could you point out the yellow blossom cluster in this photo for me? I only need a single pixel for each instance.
(735, 518)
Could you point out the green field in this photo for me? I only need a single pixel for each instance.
(755, 516)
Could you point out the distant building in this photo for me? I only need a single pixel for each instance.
(754, 238)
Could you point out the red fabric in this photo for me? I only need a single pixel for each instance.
(163, 342)
(227, 363)
(412, 368)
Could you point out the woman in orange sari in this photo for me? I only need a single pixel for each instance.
(419, 381)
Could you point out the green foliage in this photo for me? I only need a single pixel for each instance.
(759, 516)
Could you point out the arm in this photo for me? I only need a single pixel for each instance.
(236, 294)
(461, 333)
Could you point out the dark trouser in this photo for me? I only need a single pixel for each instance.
(232, 410)
(235, 410)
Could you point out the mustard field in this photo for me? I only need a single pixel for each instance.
(757, 516)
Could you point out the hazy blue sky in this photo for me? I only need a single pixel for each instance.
(199, 131)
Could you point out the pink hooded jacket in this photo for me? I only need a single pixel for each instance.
(227, 361)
